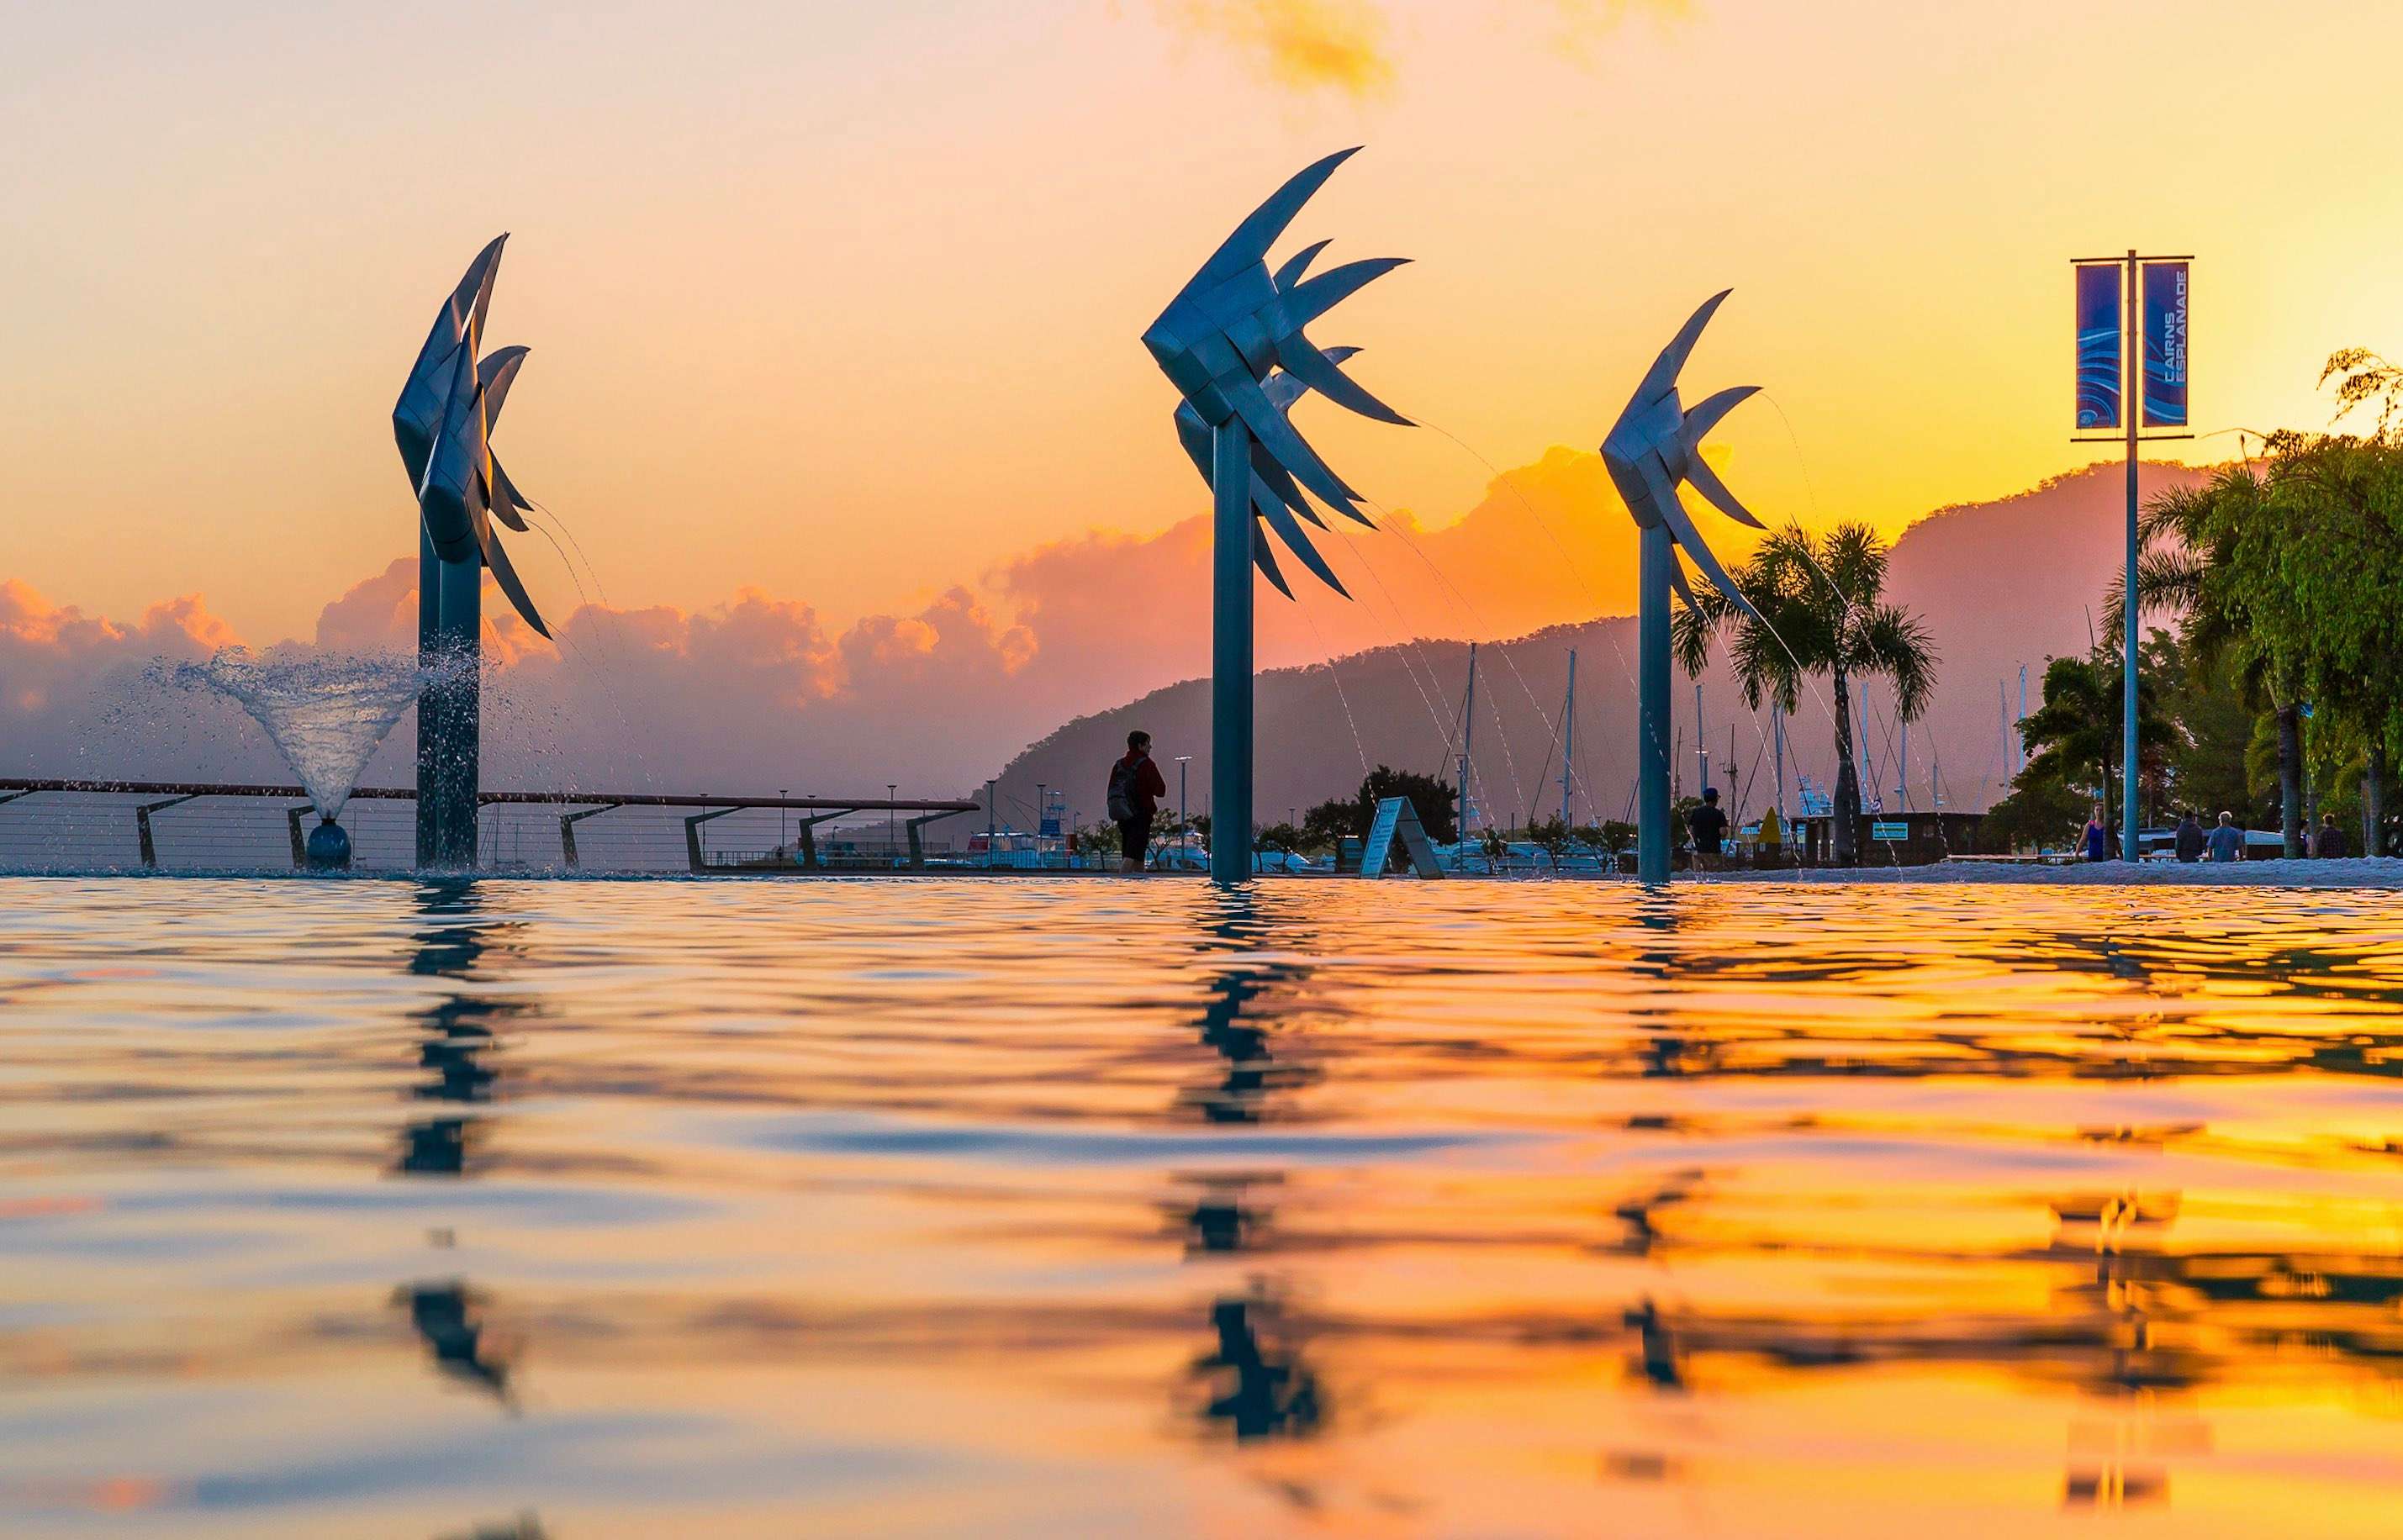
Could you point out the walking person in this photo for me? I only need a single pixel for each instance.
(2227, 841)
(1136, 787)
(2190, 839)
(1709, 826)
(2331, 841)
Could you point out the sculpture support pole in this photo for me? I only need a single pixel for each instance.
(1230, 654)
(429, 703)
(1652, 835)
(459, 773)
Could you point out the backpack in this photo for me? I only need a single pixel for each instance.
(1123, 774)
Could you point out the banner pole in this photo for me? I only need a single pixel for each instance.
(2133, 405)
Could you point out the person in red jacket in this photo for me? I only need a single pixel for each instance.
(1136, 787)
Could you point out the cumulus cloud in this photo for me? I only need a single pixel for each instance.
(1303, 45)
(758, 692)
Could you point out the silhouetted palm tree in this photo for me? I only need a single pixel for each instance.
(1822, 599)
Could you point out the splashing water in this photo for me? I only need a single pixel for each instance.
(325, 714)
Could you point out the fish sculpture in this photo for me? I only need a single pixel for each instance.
(1276, 500)
(443, 423)
(1232, 342)
(1657, 443)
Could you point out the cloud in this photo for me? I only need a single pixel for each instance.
(757, 692)
(1303, 45)
(1579, 26)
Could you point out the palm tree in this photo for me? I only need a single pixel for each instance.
(1821, 600)
(2189, 544)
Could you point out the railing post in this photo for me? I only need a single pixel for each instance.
(141, 826)
(692, 835)
(567, 822)
(917, 844)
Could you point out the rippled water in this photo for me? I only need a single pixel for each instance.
(1042, 1208)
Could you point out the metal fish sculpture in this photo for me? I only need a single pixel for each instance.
(1276, 501)
(443, 423)
(1657, 443)
(1234, 324)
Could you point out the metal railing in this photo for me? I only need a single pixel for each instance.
(202, 826)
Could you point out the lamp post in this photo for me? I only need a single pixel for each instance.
(892, 820)
(782, 817)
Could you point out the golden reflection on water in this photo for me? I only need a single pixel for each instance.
(951, 1207)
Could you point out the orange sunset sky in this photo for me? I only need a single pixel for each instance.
(841, 301)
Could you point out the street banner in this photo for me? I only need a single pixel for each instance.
(2099, 333)
(2165, 293)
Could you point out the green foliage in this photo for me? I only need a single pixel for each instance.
(1610, 836)
(2040, 814)
(1277, 837)
(1822, 599)
(1430, 795)
(1324, 826)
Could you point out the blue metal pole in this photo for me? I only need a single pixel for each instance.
(1652, 835)
(459, 773)
(2131, 404)
(1231, 655)
(430, 702)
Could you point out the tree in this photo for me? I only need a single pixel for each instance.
(1326, 826)
(1820, 600)
(2074, 739)
(1429, 795)
(1278, 837)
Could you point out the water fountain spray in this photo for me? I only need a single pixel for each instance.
(1655, 444)
(443, 423)
(1219, 342)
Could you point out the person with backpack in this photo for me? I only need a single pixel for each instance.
(1136, 787)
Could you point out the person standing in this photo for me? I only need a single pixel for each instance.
(2190, 839)
(1708, 825)
(1136, 787)
(2095, 843)
(2227, 841)
(2331, 841)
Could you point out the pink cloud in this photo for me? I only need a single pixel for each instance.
(757, 692)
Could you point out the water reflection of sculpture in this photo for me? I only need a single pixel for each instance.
(1254, 1380)
(447, 1315)
(443, 423)
(459, 1032)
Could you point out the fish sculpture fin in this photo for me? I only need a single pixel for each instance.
(1287, 275)
(1251, 240)
(498, 557)
(1314, 298)
(1266, 562)
(1319, 371)
(1689, 539)
(494, 377)
(1275, 433)
(1707, 482)
(1662, 377)
(1280, 519)
(506, 499)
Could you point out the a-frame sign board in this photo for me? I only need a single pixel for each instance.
(1396, 818)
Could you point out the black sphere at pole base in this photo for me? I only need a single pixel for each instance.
(329, 848)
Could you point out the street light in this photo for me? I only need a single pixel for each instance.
(892, 820)
(1184, 809)
(780, 795)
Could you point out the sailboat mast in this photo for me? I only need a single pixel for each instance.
(1468, 732)
(1568, 740)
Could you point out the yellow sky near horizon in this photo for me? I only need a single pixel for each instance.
(841, 302)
